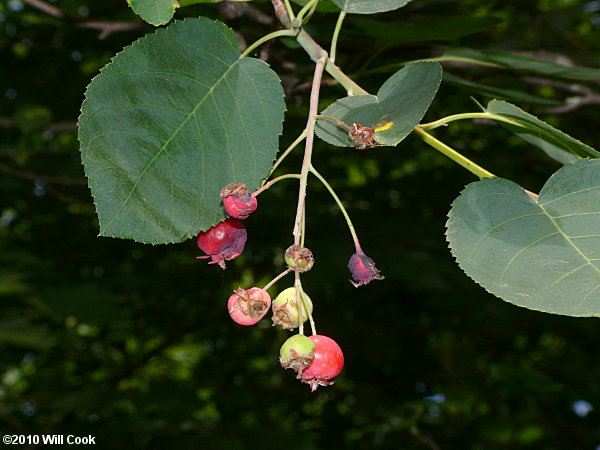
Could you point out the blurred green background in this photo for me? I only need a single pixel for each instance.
(133, 344)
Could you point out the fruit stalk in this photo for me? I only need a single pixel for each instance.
(276, 279)
(341, 206)
(273, 181)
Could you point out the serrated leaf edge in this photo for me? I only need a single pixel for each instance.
(455, 257)
(102, 69)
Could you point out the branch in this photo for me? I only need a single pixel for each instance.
(588, 97)
(234, 10)
(66, 198)
(7, 123)
(281, 13)
(47, 8)
(310, 135)
(106, 28)
(27, 175)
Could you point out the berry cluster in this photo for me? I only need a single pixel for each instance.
(316, 359)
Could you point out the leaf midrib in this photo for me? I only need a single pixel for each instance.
(168, 141)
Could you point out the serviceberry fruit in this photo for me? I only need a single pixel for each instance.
(247, 307)
(285, 309)
(237, 201)
(223, 242)
(299, 258)
(327, 364)
(297, 353)
(363, 269)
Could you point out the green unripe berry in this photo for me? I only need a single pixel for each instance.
(286, 311)
(297, 353)
(299, 258)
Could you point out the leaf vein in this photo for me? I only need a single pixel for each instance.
(168, 141)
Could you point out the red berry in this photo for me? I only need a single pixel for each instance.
(247, 307)
(237, 201)
(363, 269)
(223, 242)
(328, 362)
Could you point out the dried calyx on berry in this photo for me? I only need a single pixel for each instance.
(297, 353)
(237, 201)
(363, 269)
(223, 242)
(285, 308)
(327, 363)
(247, 307)
(299, 258)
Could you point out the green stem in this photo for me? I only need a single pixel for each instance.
(311, 12)
(310, 136)
(314, 50)
(268, 37)
(336, 33)
(287, 152)
(310, 317)
(298, 286)
(289, 9)
(333, 119)
(481, 115)
(275, 180)
(452, 154)
(340, 205)
(299, 20)
(277, 278)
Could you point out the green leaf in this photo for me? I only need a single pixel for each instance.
(522, 63)
(169, 122)
(542, 255)
(556, 144)
(403, 99)
(440, 29)
(155, 12)
(369, 6)
(497, 92)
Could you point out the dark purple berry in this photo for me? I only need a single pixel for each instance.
(363, 269)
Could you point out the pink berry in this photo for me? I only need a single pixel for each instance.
(247, 307)
(328, 362)
(237, 201)
(223, 242)
(363, 269)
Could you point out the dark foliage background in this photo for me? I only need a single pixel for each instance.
(132, 343)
